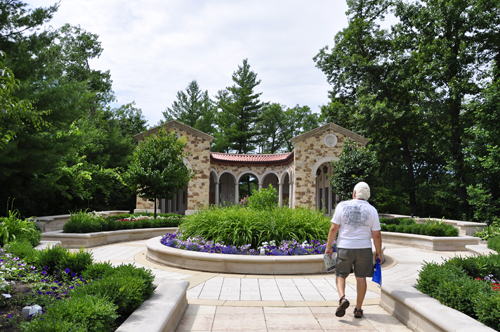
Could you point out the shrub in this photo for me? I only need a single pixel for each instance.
(85, 313)
(454, 283)
(83, 222)
(58, 258)
(126, 292)
(240, 226)
(494, 243)
(24, 250)
(12, 228)
(97, 270)
(408, 225)
(263, 199)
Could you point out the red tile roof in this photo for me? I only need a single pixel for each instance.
(232, 158)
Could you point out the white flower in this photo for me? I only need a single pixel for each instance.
(7, 296)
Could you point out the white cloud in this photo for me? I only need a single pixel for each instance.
(154, 48)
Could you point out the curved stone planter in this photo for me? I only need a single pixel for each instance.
(435, 243)
(241, 264)
(87, 240)
(422, 313)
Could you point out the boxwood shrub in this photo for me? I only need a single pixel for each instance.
(409, 226)
(463, 283)
(83, 222)
(105, 293)
(494, 243)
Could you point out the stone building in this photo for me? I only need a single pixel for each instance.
(300, 176)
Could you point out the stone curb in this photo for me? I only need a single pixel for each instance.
(433, 243)
(480, 250)
(162, 312)
(238, 264)
(88, 240)
(420, 312)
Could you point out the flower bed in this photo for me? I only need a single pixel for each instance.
(410, 226)
(84, 222)
(75, 293)
(285, 248)
(469, 285)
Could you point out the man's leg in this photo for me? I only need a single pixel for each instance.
(340, 285)
(361, 291)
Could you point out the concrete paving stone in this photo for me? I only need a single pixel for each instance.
(270, 295)
(331, 322)
(382, 320)
(292, 321)
(196, 323)
(244, 322)
(250, 296)
(196, 309)
(239, 311)
(286, 310)
(194, 292)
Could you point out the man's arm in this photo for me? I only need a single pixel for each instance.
(377, 241)
(331, 237)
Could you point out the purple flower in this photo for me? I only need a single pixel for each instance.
(67, 271)
(48, 293)
(44, 272)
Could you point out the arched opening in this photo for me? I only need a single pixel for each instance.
(248, 183)
(227, 192)
(270, 180)
(325, 199)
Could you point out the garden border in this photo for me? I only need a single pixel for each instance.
(422, 313)
(464, 227)
(88, 240)
(241, 264)
(434, 243)
(162, 311)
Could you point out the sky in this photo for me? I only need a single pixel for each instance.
(155, 48)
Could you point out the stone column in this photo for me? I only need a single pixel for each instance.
(290, 195)
(280, 194)
(236, 193)
(217, 186)
(260, 185)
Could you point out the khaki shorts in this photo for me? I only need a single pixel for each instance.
(358, 260)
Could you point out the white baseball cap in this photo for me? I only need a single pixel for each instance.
(362, 191)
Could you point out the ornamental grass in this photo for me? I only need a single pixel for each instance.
(239, 226)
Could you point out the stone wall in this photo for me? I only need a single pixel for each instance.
(311, 150)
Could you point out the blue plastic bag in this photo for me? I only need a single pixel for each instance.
(377, 273)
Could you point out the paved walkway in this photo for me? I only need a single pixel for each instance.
(225, 302)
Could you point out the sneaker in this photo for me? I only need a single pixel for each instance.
(343, 305)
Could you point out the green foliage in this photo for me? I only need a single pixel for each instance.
(434, 130)
(193, 108)
(279, 124)
(241, 109)
(97, 270)
(494, 243)
(24, 250)
(58, 258)
(408, 225)
(240, 226)
(454, 284)
(156, 169)
(12, 228)
(354, 165)
(87, 312)
(83, 222)
(263, 199)
(127, 292)
(17, 115)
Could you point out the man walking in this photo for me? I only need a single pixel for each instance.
(357, 222)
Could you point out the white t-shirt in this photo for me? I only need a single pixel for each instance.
(357, 219)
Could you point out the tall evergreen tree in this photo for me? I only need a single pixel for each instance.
(240, 109)
(192, 108)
